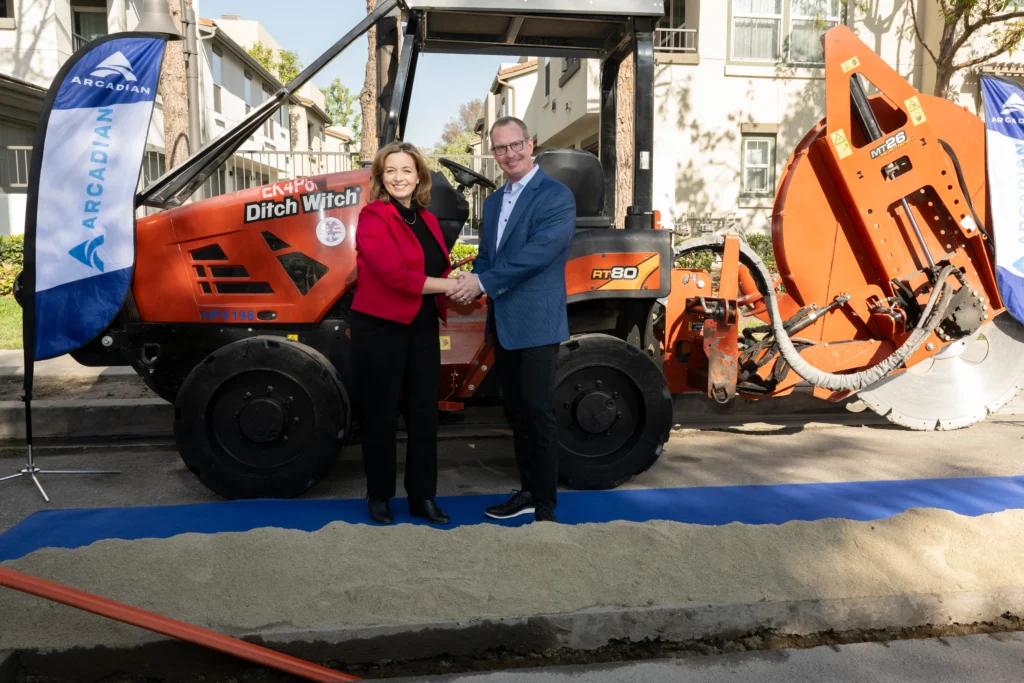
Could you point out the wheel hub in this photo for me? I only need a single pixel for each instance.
(595, 412)
(598, 410)
(263, 420)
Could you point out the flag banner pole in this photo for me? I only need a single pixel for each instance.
(80, 218)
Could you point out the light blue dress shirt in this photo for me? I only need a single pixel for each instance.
(508, 203)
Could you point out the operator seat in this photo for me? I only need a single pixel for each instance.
(449, 207)
(583, 174)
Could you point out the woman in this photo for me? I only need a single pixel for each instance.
(403, 269)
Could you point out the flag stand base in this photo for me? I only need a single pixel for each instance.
(31, 470)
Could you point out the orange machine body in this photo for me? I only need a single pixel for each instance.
(841, 236)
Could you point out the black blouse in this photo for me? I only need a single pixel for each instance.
(435, 261)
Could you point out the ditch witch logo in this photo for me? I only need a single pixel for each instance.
(314, 202)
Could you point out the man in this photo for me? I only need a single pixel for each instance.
(524, 245)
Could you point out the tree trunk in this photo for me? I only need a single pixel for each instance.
(943, 75)
(174, 93)
(624, 141)
(368, 95)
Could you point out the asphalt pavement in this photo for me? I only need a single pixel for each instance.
(969, 659)
(726, 457)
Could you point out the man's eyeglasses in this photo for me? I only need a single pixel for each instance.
(499, 150)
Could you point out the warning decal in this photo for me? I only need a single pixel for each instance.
(915, 111)
(850, 64)
(841, 143)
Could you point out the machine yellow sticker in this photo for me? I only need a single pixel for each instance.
(293, 337)
(842, 143)
(446, 343)
(850, 64)
(915, 111)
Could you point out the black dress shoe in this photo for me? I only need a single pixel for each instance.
(521, 503)
(544, 514)
(380, 511)
(429, 511)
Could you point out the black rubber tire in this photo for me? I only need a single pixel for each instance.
(600, 355)
(286, 467)
(167, 377)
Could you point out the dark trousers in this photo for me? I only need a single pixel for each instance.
(397, 366)
(527, 378)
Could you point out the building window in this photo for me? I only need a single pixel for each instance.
(808, 19)
(758, 33)
(758, 175)
(248, 92)
(756, 29)
(268, 125)
(569, 67)
(217, 67)
(6, 9)
(88, 23)
(547, 76)
(671, 33)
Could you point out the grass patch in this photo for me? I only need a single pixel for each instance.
(10, 323)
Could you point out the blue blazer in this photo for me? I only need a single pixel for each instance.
(524, 276)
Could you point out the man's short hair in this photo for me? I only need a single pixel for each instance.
(506, 120)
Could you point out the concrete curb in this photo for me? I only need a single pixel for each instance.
(586, 630)
(125, 419)
(100, 418)
(140, 418)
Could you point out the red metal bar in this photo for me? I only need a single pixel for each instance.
(169, 627)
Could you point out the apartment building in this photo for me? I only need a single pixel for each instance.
(37, 38)
(293, 142)
(737, 85)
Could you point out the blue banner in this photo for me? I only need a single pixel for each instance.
(80, 226)
(1004, 159)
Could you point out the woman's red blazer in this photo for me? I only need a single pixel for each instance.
(389, 262)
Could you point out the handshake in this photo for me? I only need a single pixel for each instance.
(463, 287)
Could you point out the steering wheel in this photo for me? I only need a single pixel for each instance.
(466, 176)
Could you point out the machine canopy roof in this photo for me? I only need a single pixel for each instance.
(566, 28)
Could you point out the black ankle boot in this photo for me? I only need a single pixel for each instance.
(429, 511)
(380, 511)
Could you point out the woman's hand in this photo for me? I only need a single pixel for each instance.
(438, 285)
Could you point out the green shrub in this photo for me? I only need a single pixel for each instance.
(698, 260)
(12, 249)
(12, 259)
(762, 246)
(461, 251)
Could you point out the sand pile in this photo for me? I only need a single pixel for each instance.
(274, 580)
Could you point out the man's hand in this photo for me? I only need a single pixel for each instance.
(467, 288)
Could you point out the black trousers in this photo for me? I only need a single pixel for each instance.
(527, 378)
(397, 366)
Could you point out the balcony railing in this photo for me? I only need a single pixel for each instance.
(675, 40)
(247, 169)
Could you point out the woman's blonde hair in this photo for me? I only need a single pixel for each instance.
(377, 189)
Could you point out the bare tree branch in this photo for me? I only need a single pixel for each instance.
(1005, 45)
(995, 19)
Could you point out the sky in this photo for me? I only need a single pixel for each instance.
(309, 27)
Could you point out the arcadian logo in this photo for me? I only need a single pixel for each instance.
(86, 253)
(117, 63)
(107, 72)
(1013, 104)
